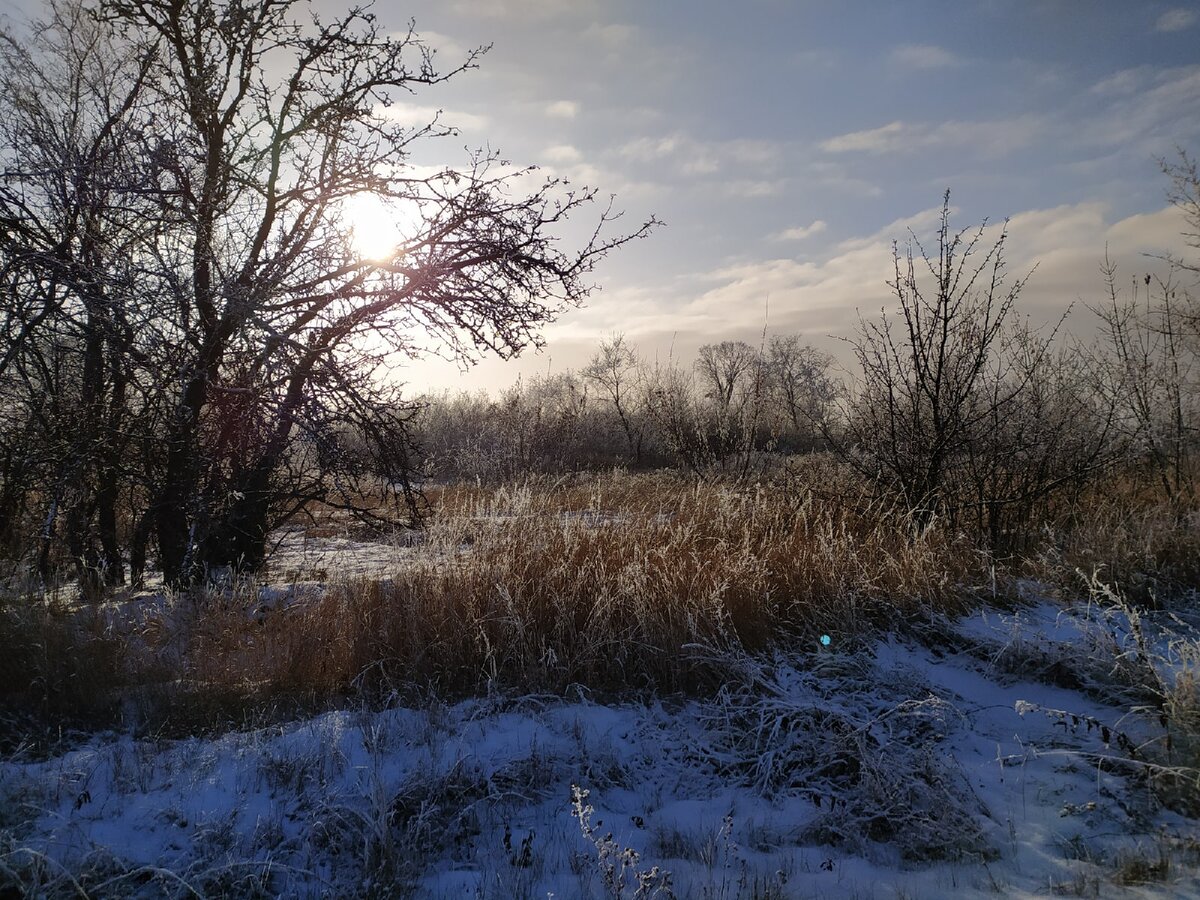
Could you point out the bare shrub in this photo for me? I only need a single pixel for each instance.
(1151, 365)
(964, 412)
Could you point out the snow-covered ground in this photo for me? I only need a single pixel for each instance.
(917, 768)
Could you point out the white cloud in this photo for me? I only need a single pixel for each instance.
(414, 116)
(755, 187)
(1150, 112)
(521, 9)
(800, 232)
(991, 138)
(1067, 243)
(696, 157)
(614, 36)
(823, 297)
(824, 58)
(562, 109)
(924, 56)
(1124, 83)
(647, 149)
(702, 164)
(1177, 19)
(873, 140)
(448, 49)
(562, 153)
(898, 230)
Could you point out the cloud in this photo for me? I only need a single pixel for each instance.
(1124, 83)
(835, 177)
(898, 230)
(1067, 244)
(1177, 19)
(562, 109)
(1150, 111)
(800, 232)
(614, 36)
(520, 9)
(695, 157)
(873, 140)
(821, 297)
(824, 58)
(562, 153)
(924, 56)
(646, 149)
(991, 138)
(414, 116)
(442, 44)
(755, 187)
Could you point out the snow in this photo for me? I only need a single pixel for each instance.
(913, 770)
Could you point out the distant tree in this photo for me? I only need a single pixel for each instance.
(804, 390)
(614, 370)
(725, 370)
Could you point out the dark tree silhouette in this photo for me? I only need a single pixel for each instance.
(235, 132)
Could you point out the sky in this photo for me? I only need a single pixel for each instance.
(787, 144)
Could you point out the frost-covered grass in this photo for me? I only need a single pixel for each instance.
(615, 687)
(891, 769)
(613, 584)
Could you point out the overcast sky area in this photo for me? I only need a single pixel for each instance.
(786, 144)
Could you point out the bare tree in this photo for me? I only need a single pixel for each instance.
(614, 369)
(263, 332)
(724, 369)
(803, 389)
(1152, 370)
(72, 213)
(1184, 195)
(931, 382)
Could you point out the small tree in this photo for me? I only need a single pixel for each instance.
(933, 380)
(1152, 369)
(614, 370)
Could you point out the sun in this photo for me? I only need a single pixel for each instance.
(378, 227)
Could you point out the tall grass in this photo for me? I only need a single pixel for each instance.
(612, 582)
(1146, 547)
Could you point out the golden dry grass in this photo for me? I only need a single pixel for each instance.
(613, 581)
(1122, 530)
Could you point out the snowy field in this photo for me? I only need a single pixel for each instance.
(973, 761)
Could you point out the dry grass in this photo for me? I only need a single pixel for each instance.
(615, 582)
(57, 665)
(1143, 546)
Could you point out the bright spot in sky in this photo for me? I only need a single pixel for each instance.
(380, 226)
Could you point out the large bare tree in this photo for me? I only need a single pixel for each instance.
(263, 331)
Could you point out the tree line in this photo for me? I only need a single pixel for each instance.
(956, 407)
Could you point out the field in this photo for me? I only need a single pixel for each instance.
(621, 685)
